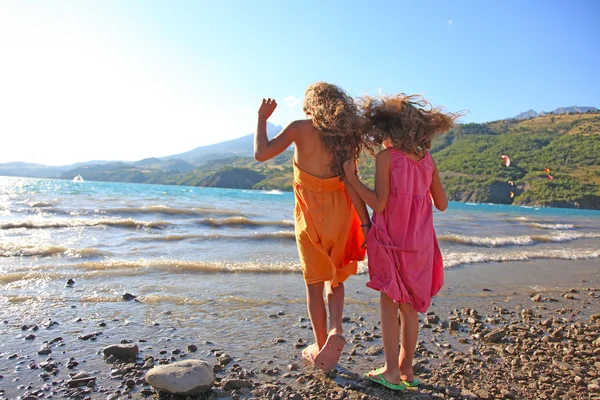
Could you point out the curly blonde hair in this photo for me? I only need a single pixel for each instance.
(409, 121)
(335, 115)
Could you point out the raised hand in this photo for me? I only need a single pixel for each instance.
(266, 108)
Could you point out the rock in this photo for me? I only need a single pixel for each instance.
(224, 359)
(432, 319)
(149, 363)
(192, 348)
(184, 378)
(374, 350)
(454, 325)
(300, 343)
(495, 336)
(70, 282)
(452, 391)
(90, 336)
(121, 351)
(293, 367)
(128, 297)
(594, 388)
(232, 384)
(507, 394)
(84, 381)
(31, 336)
(45, 350)
(537, 298)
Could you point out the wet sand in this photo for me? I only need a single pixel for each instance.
(506, 346)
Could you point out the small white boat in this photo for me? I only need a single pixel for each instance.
(78, 178)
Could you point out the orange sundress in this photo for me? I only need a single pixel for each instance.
(328, 231)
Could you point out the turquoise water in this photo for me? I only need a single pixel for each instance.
(61, 227)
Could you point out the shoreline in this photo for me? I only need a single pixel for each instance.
(555, 338)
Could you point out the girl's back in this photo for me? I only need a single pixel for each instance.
(310, 153)
(410, 174)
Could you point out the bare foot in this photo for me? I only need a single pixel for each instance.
(391, 378)
(335, 331)
(406, 373)
(310, 353)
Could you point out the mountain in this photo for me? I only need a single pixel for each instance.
(240, 147)
(243, 146)
(527, 115)
(560, 110)
(168, 164)
(573, 109)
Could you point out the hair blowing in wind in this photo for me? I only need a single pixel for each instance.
(409, 121)
(335, 115)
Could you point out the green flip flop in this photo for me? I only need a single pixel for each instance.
(415, 382)
(379, 379)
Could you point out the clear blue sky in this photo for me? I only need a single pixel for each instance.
(132, 79)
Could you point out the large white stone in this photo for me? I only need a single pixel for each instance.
(187, 378)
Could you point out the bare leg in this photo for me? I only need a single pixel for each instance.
(317, 313)
(335, 303)
(391, 332)
(410, 333)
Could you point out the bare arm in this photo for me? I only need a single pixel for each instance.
(359, 204)
(376, 199)
(437, 191)
(265, 149)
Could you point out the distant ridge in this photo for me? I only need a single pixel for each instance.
(560, 110)
(240, 147)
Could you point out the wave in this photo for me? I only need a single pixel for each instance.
(182, 266)
(452, 260)
(541, 225)
(273, 192)
(11, 277)
(119, 268)
(552, 226)
(521, 240)
(243, 222)
(75, 223)
(41, 204)
(162, 209)
(28, 250)
(256, 236)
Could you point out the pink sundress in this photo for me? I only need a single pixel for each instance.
(405, 260)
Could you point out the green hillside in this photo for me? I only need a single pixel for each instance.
(468, 158)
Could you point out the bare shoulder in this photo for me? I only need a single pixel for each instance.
(432, 160)
(383, 156)
(300, 124)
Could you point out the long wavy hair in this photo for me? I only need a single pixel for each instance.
(409, 121)
(335, 115)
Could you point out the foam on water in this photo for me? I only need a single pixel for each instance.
(75, 223)
(517, 240)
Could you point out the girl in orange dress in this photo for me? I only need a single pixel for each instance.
(328, 215)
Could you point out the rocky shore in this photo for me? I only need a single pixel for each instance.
(525, 346)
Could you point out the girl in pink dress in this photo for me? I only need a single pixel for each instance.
(405, 262)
